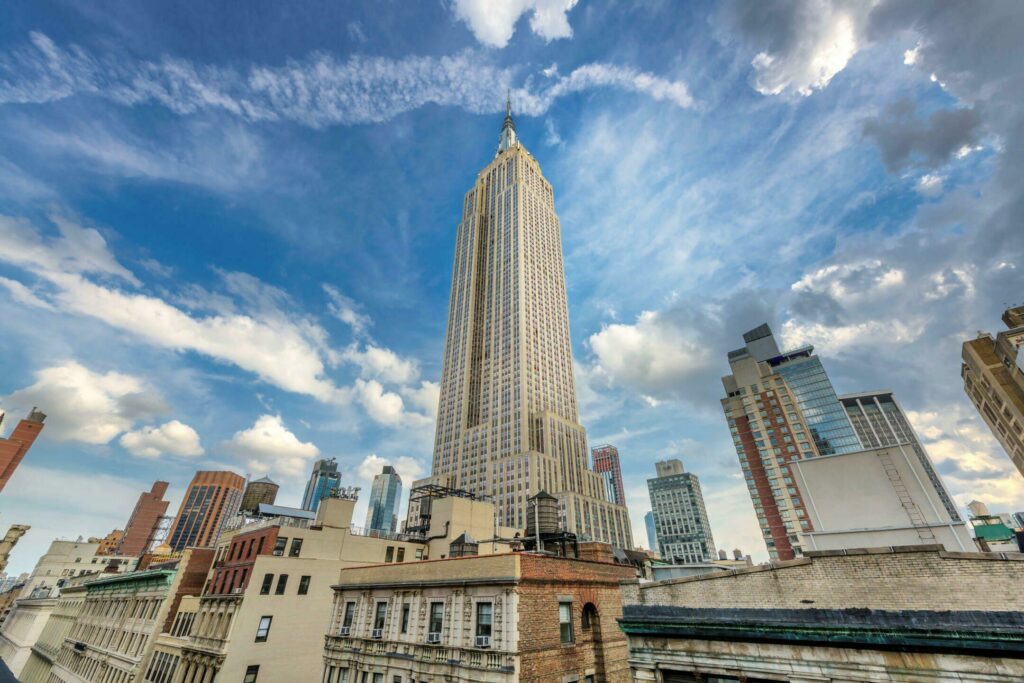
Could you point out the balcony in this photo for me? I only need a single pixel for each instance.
(472, 658)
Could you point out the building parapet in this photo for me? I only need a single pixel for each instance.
(441, 654)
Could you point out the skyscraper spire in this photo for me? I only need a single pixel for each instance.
(508, 127)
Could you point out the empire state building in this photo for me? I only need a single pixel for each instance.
(507, 423)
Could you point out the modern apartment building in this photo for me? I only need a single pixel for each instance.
(144, 523)
(606, 462)
(323, 482)
(15, 446)
(385, 497)
(680, 519)
(212, 498)
(993, 374)
(508, 425)
(262, 490)
(518, 617)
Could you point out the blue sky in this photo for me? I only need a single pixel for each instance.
(226, 234)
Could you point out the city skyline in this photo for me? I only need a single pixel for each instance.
(269, 304)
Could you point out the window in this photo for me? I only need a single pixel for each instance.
(483, 619)
(589, 615)
(303, 585)
(282, 581)
(436, 618)
(378, 678)
(405, 618)
(251, 672)
(350, 611)
(565, 622)
(381, 614)
(263, 630)
(280, 545)
(296, 547)
(400, 555)
(268, 580)
(389, 554)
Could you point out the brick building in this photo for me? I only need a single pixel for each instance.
(14, 447)
(211, 500)
(142, 526)
(898, 615)
(606, 459)
(498, 618)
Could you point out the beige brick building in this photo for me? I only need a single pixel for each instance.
(898, 615)
(508, 424)
(489, 619)
(993, 374)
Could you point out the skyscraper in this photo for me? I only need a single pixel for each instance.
(652, 534)
(507, 424)
(606, 459)
(385, 497)
(14, 447)
(262, 490)
(993, 373)
(879, 421)
(212, 498)
(142, 526)
(680, 519)
(323, 482)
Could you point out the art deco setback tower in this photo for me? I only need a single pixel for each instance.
(507, 424)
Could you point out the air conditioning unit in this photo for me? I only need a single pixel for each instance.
(345, 630)
(483, 641)
(433, 637)
(377, 633)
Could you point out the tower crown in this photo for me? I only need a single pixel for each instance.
(508, 128)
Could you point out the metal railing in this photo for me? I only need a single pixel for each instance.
(386, 535)
(434, 654)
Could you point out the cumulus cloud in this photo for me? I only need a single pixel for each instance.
(409, 469)
(380, 363)
(83, 405)
(318, 91)
(172, 438)
(493, 23)
(386, 407)
(269, 447)
(905, 139)
(802, 44)
(424, 397)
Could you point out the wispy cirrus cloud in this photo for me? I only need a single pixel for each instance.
(319, 90)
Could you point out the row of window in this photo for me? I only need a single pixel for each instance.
(282, 583)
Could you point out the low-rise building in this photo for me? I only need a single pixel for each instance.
(500, 618)
(66, 559)
(45, 650)
(22, 628)
(276, 573)
(898, 615)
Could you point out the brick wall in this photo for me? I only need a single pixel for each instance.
(600, 649)
(911, 578)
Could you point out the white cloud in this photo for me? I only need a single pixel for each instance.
(83, 405)
(347, 311)
(380, 363)
(173, 438)
(409, 469)
(651, 355)
(930, 185)
(268, 446)
(318, 91)
(424, 397)
(23, 295)
(493, 23)
(386, 407)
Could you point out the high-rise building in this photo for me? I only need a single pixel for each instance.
(770, 431)
(14, 447)
(323, 482)
(212, 498)
(142, 526)
(652, 534)
(879, 421)
(262, 490)
(385, 497)
(507, 424)
(993, 373)
(827, 422)
(680, 519)
(606, 459)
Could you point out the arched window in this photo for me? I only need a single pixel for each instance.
(589, 615)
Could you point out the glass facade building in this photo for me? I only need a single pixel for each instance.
(652, 535)
(325, 480)
(385, 497)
